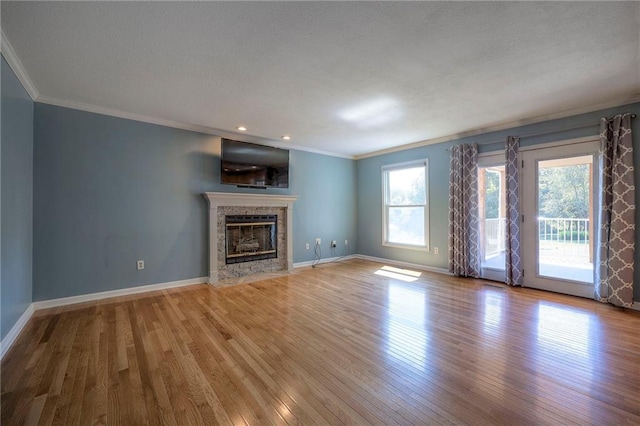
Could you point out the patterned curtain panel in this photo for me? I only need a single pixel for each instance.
(463, 211)
(513, 266)
(614, 271)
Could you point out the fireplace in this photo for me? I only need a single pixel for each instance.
(268, 247)
(250, 237)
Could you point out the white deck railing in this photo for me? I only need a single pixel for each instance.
(568, 236)
(495, 230)
(565, 230)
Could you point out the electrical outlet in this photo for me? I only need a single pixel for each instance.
(318, 241)
(436, 250)
(140, 264)
(306, 246)
(346, 242)
(334, 243)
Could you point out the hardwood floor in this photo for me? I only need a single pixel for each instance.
(342, 343)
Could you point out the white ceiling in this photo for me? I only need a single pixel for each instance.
(346, 78)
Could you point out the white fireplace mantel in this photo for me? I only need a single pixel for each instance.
(224, 199)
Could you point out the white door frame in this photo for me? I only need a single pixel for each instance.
(529, 210)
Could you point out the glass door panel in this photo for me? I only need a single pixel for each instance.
(565, 218)
(492, 215)
(557, 199)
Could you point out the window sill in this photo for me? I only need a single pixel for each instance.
(405, 246)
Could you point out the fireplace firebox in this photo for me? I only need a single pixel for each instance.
(250, 238)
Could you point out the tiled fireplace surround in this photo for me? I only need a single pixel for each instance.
(222, 204)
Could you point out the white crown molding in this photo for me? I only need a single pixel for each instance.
(180, 125)
(15, 64)
(53, 303)
(131, 116)
(15, 331)
(508, 125)
(264, 141)
(405, 264)
(293, 146)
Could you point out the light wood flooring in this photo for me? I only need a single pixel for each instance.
(339, 344)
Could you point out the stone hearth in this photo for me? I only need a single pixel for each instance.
(223, 204)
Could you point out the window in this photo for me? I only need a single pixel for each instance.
(405, 205)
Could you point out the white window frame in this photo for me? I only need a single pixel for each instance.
(386, 206)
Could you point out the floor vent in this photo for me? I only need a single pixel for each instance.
(496, 285)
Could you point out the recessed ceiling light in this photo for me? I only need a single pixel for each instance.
(242, 128)
(286, 137)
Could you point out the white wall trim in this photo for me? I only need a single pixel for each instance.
(181, 125)
(15, 64)
(405, 264)
(19, 70)
(562, 142)
(13, 334)
(327, 260)
(15, 331)
(53, 303)
(17, 67)
(17, 328)
(635, 306)
(130, 116)
(625, 100)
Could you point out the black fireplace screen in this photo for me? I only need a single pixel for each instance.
(251, 237)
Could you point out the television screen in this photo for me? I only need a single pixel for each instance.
(248, 164)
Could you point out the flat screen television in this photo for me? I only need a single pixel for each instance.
(252, 165)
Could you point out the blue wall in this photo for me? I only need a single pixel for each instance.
(327, 204)
(16, 200)
(110, 191)
(369, 187)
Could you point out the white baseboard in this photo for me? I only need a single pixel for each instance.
(405, 264)
(13, 334)
(52, 303)
(327, 260)
(376, 259)
(635, 306)
(10, 338)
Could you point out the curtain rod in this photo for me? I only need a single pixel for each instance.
(532, 135)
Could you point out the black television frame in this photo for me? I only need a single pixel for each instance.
(250, 165)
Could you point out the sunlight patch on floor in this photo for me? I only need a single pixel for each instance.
(400, 274)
